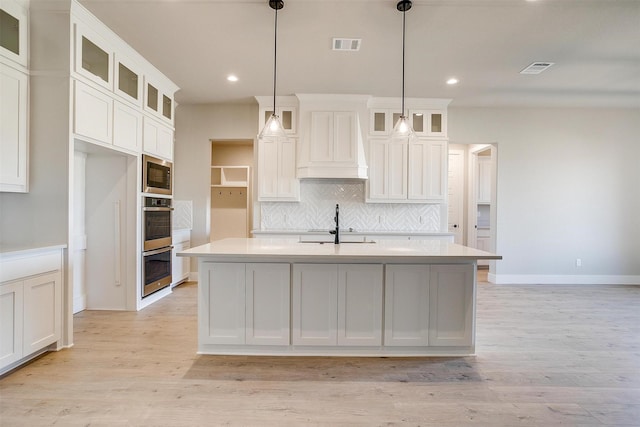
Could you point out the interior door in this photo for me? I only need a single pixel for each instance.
(456, 194)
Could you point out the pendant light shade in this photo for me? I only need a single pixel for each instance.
(403, 129)
(273, 127)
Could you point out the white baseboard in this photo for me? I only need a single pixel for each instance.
(566, 279)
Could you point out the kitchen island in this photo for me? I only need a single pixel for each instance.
(384, 298)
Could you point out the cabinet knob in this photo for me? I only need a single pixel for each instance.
(455, 225)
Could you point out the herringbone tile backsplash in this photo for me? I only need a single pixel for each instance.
(316, 210)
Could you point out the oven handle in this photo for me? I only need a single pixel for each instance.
(157, 251)
(156, 209)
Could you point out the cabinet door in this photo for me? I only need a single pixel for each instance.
(11, 328)
(322, 138)
(93, 113)
(378, 174)
(360, 304)
(268, 304)
(344, 137)
(268, 168)
(315, 304)
(157, 139)
(437, 170)
(180, 266)
(430, 123)
(418, 171)
(288, 184)
(406, 305)
(397, 170)
(42, 311)
(14, 34)
(451, 321)
(93, 57)
(165, 143)
(221, 303)
(13, 130)
(127, 127)
(128, 80)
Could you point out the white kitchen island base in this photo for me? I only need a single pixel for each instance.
(279, 297)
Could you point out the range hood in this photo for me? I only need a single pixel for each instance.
(331, 138)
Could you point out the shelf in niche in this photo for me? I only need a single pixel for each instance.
(229, 176)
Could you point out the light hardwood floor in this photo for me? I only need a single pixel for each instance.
(546, 356)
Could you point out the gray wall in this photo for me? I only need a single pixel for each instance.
(568, 182)
(568, 187)
(196, 126)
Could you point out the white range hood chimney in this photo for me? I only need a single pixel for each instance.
(331, 139)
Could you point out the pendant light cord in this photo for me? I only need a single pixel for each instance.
(403, 31)
(275, 58)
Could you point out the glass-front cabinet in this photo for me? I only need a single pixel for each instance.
(157, 102)
(428, 122)
(13, 32)
(93, 57)
(382, 121)
(128, 80)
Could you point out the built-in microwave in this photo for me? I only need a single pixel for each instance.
(156, 175)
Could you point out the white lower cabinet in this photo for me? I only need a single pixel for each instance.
(30, 317)
(246, 303)
(268, 290)
(406, 318)
(337, 304)
(451, 310)
(221, 288)
(11, 328)
(180, 266)
(429, 305)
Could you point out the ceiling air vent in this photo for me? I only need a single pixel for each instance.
(536, 67)
(347, 44)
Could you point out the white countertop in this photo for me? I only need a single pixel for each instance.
(354, 232)
(292, 250)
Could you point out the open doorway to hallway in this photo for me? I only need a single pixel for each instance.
(472, 195)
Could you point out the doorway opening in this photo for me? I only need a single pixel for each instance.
(231, 188)
(472, 196)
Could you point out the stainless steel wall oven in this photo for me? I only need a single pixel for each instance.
(156, 255)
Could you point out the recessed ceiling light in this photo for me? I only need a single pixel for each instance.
(452, 81)
(232, 78)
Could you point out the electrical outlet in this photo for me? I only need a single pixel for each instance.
(578, 262)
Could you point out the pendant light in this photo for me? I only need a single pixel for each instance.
(273, 126)
(403, 129)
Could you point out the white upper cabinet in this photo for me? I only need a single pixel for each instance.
(118, 92)
(93, 57)
(429, 123)
(286, 109)
(382, 120)
(93, 116)
(277, 170)
(157, 139)
(277, 157)
(127, 127)
(13, 130)
(128, 80)
(411, 171)
(14, 31)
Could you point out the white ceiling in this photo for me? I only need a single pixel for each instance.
(595, 45)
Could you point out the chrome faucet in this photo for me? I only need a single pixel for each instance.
(337, 230)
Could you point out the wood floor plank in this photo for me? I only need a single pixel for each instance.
(546, 355)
